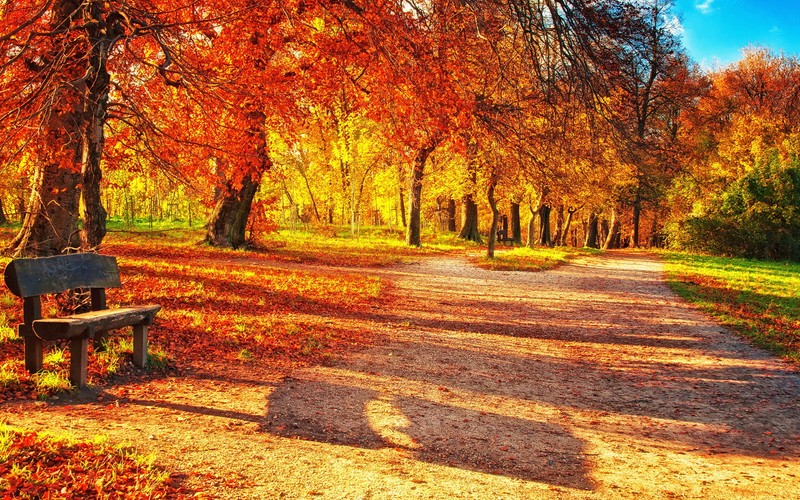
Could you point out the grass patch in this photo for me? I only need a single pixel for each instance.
(758, 299)
(529, 259)
(50, 382)
(36, 465)
(10, 373)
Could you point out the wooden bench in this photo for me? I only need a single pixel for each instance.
(32, 278)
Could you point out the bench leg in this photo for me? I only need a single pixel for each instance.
(79, 352)
(140, 345)
(33, 353)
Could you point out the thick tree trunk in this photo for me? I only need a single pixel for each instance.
(229, 219)
(495, 216)
(451, 216)
(228, 225)
(51, 221)
(50, 226)
(591, 231)
(544, 226)
(469, 226)
(414, 230)
(3, 218)
(516, 224)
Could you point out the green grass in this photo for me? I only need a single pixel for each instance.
(758, 299)
(327, 245)
(373, 247)
(529, 259)
(10, 373)
(50, 382)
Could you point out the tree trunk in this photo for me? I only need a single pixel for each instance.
(228, 225)
(614, 235)
(451, 215)
(544, 226)
(516, 224)
(603, 233)
(402, 198)
(495, 213)
(637, 214)
(656, 236)
(51, 220)
(567, 223)
(413, 234)
(591, 231)
(229, 219)
(3, 218)
(469, 227)
(95, 111)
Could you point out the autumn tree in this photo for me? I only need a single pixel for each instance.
(71, 68)
(739, 194)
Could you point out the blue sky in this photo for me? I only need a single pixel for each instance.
(715, 31)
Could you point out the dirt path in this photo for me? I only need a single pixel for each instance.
(588, 381)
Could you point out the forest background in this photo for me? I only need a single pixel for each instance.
(586, 120)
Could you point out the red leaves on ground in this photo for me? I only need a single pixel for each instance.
(37, 467)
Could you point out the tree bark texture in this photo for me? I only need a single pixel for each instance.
(71, 150)
(51, 221)
(414, 230)
(229, 219)
(3, 218)
(95, 112)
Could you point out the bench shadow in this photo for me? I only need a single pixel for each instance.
(432, 432)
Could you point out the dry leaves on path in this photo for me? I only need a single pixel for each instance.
(588, 381)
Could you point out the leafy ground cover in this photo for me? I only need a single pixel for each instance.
(529, 259)
(218, 306)
(758, 299)
(34, 465)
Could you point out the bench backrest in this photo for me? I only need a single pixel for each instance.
(47, 275)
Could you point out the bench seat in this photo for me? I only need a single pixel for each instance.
(89, 323)
(33, 278)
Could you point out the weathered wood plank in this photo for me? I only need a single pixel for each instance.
(89, 323)
(46, 275)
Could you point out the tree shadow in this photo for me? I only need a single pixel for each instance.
(436, 433)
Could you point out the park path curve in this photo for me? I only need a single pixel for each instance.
(591, 380)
